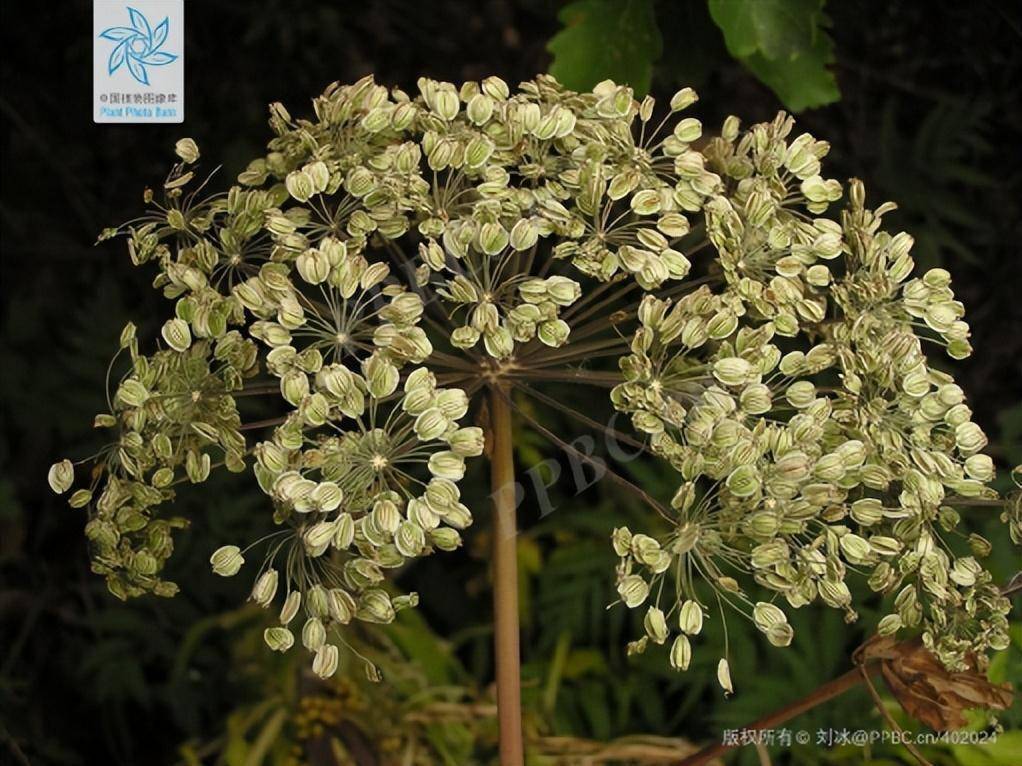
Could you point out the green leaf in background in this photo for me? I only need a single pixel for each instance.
(1002, 751)
(784, 44)
(779, 29)
(800, 83)
(606, 39)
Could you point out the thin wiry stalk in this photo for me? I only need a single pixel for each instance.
(589, 297)
(257, 424)
(579, 352)
(598, 307)
(602, 324)
(595, 424)
(257, 391)
(889, 719)
(589, 377)
(454, 362)
(598, 465)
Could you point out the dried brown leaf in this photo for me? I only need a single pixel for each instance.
(928, 691)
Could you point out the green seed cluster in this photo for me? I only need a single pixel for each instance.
(391, 243)
(804, 463)
(174, 414)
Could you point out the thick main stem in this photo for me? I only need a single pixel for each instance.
(505, 582)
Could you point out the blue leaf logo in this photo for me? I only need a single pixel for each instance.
(138, 46)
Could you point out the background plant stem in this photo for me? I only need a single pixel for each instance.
(818, 696)
(505, 582)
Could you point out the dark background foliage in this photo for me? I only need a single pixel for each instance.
(929, 116)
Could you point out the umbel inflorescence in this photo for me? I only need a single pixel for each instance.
(393, 256)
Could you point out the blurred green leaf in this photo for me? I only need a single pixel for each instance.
(606, 39)
(240, 723)
(1002, 751)
(784, 44)
(801, 83)
(779, 29)
(413, 637)
(267, 736)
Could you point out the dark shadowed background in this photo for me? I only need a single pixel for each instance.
(928, 116)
